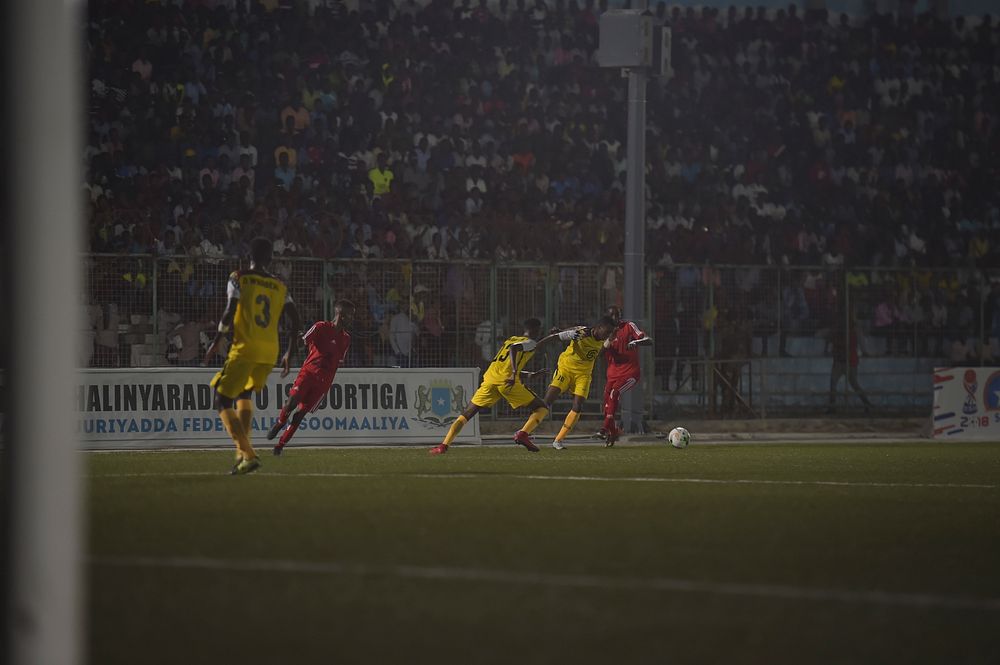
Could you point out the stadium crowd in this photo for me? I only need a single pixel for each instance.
(473, 129)
(447, 130)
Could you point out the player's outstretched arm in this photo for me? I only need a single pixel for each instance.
(566, 335)
(293, 339)
(225, 325)
(212, 349)
(642, 341)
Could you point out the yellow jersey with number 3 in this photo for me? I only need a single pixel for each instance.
(499, 369)
(261, 300)
(580, 355)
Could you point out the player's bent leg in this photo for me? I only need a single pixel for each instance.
(235, 377)
(610, 409)
(244, 409)
(455, 429)
(571, 419)
(550, 395)
(580, 391)
(620, 386)
(523, 436)
(293, 426)
(239, 436)
(283, 416)
(610, 405)
(538, 413)
(609, 412)
(224, 406)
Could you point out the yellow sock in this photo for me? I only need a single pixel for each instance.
(567, 426)
(236, 431)
(535, 419)
(456, 427)
(244, 409)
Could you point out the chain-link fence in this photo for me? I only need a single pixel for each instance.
(730, 341)
(735, 341)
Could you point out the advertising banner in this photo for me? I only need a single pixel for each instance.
(172, 407)
(967, 403)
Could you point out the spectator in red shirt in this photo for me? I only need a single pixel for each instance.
(845, 360)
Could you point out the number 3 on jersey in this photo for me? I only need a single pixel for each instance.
(263, 319)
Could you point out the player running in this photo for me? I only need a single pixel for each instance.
(621, 349)
(574, 372)
(502, 380)
(256, 301)
(328, 343)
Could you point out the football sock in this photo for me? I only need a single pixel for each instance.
(244, 409)
(534, 420)
(567, 426)
(283, 415)
(289, 431)
(456, 427)
(236, 431)
(610, 408)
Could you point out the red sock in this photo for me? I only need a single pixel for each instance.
(287, 434)
(283, 416)
(610, 409)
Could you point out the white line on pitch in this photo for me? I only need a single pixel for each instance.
(918, 600)
(599, 479)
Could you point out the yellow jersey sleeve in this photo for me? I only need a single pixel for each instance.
(581, 354)
(499, 369)
(261, 300)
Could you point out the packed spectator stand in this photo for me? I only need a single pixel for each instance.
(446, 131)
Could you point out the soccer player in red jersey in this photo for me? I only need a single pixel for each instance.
(328, 342)
(622, 352)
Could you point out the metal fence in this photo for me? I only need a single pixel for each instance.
(730, 341)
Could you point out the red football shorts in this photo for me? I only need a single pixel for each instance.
(621, 383)
(310, 387)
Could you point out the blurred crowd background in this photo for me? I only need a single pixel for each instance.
(825, 152)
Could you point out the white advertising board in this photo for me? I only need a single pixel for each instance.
(172, 407)
(967, 403)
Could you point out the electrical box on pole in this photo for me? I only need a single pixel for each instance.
(662, 46)
(626, 39)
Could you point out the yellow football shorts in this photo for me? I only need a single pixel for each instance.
(238, 376)
(489, 394)
(577, 383)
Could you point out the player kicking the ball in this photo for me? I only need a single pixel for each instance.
(621, 349)
(574, 372)
(328, 342)
(256, 301)
(503, 380)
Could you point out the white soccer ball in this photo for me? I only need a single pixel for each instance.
(679, 437)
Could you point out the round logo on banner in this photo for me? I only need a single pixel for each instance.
(991, 392)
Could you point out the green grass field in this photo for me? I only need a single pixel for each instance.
(864, 553)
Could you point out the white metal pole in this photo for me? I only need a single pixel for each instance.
(635, 224)
(44, 527)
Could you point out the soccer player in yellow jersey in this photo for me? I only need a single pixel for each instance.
(503, 380)
(256, 301)
(574, 371)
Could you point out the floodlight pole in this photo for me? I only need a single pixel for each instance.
(635, 225)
